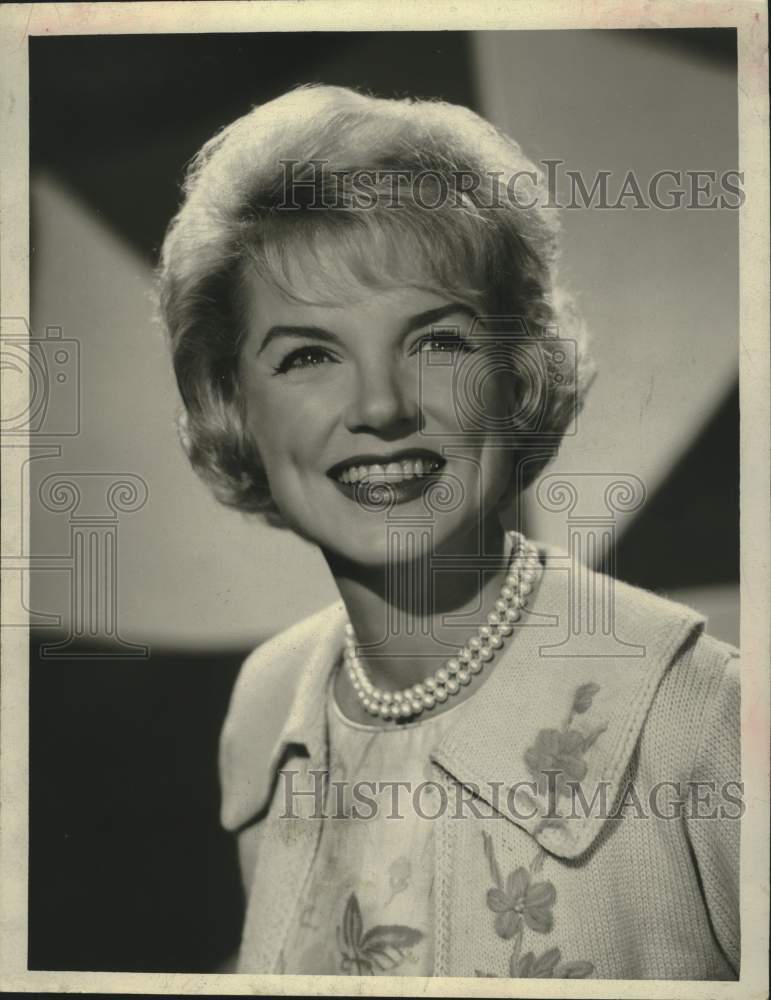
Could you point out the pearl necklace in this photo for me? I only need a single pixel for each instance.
(471, 658)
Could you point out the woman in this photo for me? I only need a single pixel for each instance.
(362, 305)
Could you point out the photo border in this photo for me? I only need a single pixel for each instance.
(21, 21)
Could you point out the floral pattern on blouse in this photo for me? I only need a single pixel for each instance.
(380, 949)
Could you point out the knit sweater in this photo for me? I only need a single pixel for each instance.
(597, 833)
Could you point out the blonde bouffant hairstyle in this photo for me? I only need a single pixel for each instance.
(238, 216)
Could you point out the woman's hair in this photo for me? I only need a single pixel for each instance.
(386, 183)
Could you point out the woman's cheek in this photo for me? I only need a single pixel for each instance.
(439, 399)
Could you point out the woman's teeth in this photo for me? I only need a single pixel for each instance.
(394, 472)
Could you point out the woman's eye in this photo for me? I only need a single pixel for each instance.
(444, 343)
(303, 357)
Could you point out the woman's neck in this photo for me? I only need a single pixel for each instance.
(409, 617)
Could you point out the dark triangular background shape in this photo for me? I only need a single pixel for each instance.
(687, 535)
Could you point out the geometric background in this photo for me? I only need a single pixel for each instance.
(128, 867)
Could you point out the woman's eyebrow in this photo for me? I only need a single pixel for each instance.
(431, 316)
(298, 332)
(422, 319)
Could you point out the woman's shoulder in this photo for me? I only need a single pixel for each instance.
(696, 713)
(273, 677)
(270, 674)
(664, 646)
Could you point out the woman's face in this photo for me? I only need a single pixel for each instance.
(363, 414)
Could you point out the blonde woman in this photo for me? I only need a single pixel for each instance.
(374, 352)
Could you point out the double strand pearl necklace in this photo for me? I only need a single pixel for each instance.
(470, 659)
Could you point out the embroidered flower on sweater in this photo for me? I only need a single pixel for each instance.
(522, 902)
(558, 752)
(556, 759)
(380, 949)
(519, 899)
(544, 966)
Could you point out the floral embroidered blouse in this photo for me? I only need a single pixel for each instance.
(368, 905)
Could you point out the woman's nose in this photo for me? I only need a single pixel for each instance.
(382, 403)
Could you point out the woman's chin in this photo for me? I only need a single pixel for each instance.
(391, 544)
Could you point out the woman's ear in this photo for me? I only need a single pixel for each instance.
(183, 430)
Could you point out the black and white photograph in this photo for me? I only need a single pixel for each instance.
(385, 448)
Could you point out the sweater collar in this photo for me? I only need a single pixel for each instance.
(556, 723)
(557, 708)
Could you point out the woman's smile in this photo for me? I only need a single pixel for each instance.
(389, 479)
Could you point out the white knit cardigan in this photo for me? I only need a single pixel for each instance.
(530, 890)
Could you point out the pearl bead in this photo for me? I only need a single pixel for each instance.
(513, 615)
(494, 618)
(507, 593)
(485, 632)
(518, 602)
(429, 684)
(495, 642)
(398, 696)
(440, 694)
(505, 629)
(501, 605)
(405, 710)
(525, 589)
(416, 705)
(475, 666)
(387, 697)
(441, 676)
(475, 643)
(512, 581)
(385, 711)
(464, 677)
(366, 703)
(528, 576)
(485, 654)
(374, 708)
(452, 686)
(453, 665)
(417, 691)
(429, 700)
(464, 656)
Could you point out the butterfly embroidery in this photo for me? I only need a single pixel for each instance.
(380, 949)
